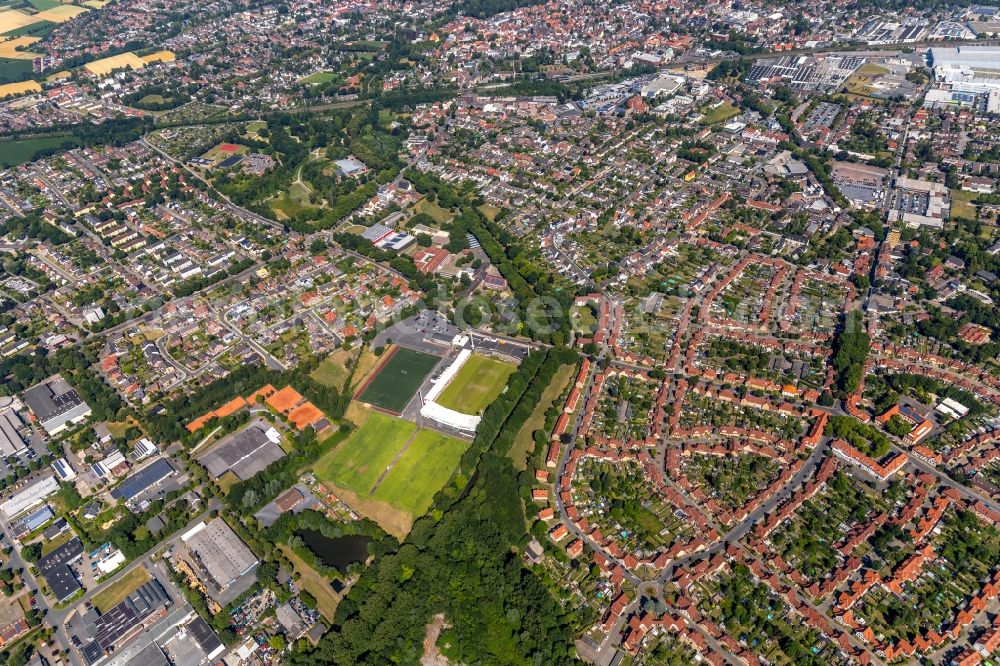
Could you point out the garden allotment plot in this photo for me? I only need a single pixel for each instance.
(397, 380)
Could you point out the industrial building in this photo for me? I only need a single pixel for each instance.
(110, 630)
(11, 442)
(56, 404)
(57, 571)
(245, 453)
(30, 497)
(146, 478)
(219, 552)
(974, 68)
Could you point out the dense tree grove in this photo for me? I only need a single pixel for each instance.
(850, 351)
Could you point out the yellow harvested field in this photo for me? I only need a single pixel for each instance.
(9, 48)
(60, 14)
(120, 61)
(95, 4)
(11, 89)
(12, 19)
(159, 56)
(59, 76)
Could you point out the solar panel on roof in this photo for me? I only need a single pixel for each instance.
(143, 479)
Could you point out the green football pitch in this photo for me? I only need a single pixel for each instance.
(398, 380)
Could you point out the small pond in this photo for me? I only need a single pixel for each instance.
(337, 552)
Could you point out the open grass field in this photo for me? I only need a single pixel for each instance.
(315, 584)
(52, 544)
(719, 114)
(423, 470)
(12, 70)
(440, 215)
(13, 153)
(358, 462)
(489, 211)
(115, 593)
(476, 385)
(398, 380)
(330, 373)
(16, 48)
(859, 83)
(366, 363)
(253, 129)
(42, 5)
(317, 78)
(523, 441)
(961, 204)
(285, 208)
(228, 480)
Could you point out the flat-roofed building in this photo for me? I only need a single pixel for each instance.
(245, 453)
(30, 497)
(11, 442)
(220, 552)
(56, 404)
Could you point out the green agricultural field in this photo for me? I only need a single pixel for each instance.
(423, 470)
(358, 462)
(476, 385)
(318, 78)
(398, 380)
(13, 153)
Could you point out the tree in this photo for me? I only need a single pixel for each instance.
(32, 552)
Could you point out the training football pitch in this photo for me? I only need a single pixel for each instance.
(360, 459)
(478, 382)
(422, 471)
(398, 380)
(409, 486)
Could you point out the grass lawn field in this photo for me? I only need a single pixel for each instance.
(253, 128)
(52, 544)
(317, 78)
(961, 204)
(476, 385)
(228, 480)
(440, 215)
(398, 380)
(489, 211)
(360, 459)
(719, 114)
(422, 471)
(315, 584)
(523, 442)
(330, 373)
(115, 593)
(286, 207)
